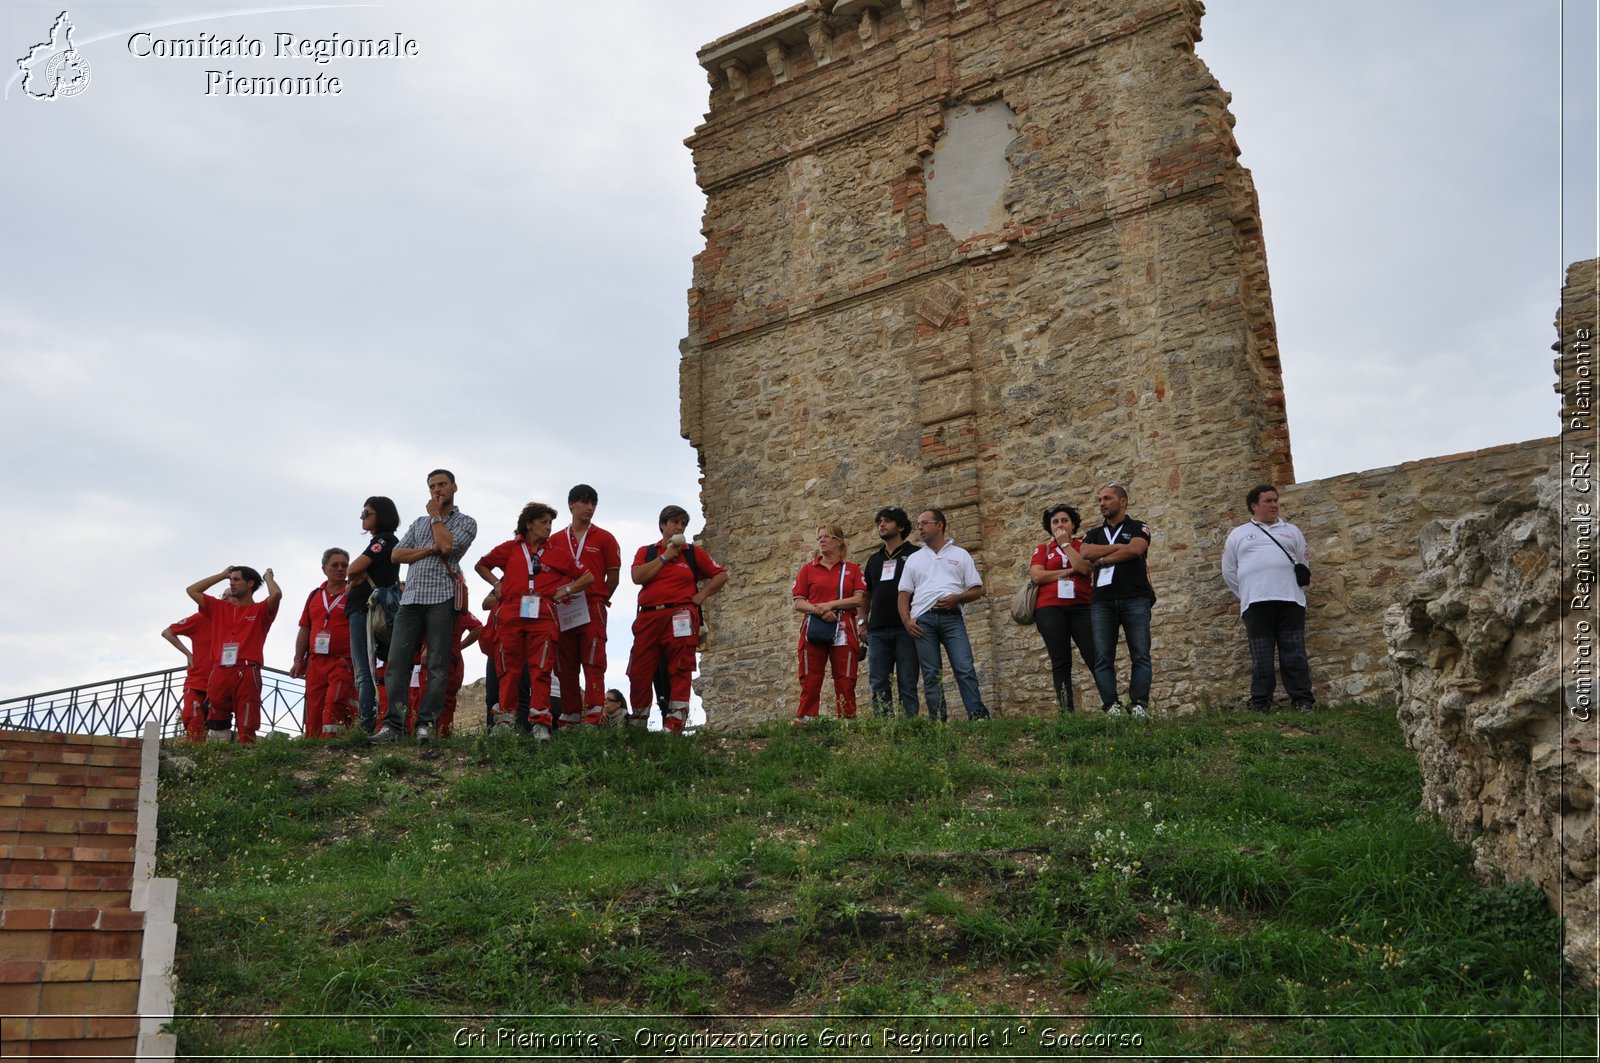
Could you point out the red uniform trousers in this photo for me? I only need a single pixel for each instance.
(531, 644)
(234, 692)
(330, 695)
(194, 713)
(452, 688)
(584, 648)
(813, 659)
(653, 639)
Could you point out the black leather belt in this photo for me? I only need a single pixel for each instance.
(670, 605)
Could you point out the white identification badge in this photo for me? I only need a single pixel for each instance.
(573, 612)
(1103, 578)
(323, 644)
(682, 624)
(230, 654)
(839, 638)
(889, 569)
(416, 675)
(1065, 589)
(530, 607)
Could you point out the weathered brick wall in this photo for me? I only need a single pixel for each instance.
(845, 354)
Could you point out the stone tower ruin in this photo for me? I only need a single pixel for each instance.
(985, 255)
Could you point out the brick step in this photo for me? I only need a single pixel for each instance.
(69, 782)
(28, 829)
(71, 934)
(64, 891)
(59, 807)
(68, 988)
(79, 742)
(70, 757)
(64, 860)
(32, 750)
(64, 1037)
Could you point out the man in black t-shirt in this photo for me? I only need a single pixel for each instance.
(890, 647)
(1122, 600)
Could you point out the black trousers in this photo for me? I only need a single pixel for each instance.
(1061, 626)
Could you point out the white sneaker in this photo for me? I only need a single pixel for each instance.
(540, 732)
(1138, 713)
(1115, 710)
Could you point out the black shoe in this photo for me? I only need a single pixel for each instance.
(1307, 707)
(1263, 707)
(386, 735)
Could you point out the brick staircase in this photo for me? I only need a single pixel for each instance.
(86, 934)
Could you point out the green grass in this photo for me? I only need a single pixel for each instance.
(1208, 887)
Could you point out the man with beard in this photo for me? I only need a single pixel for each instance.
(431, 549)
(1122, 600)
(890, 648)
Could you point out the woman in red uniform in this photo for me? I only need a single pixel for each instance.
(828, 590)
(1062, 612)
(532, 583)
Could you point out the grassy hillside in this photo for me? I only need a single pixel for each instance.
(1212, 886)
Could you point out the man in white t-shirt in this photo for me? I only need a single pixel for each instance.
(1258, 565)
(936, 581)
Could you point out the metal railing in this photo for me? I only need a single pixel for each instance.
(121, 707)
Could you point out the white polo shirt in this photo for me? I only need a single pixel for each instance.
(930, 576)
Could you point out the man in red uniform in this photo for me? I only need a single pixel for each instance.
(675, 580)
(322, 651)
(239, 634)
(534, 582)
(197, 629)
(583, 641)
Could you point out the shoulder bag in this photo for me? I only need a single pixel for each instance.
(1302, 571)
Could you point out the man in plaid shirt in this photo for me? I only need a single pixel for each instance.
(432, 548)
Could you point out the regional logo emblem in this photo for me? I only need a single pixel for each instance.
(54, 69)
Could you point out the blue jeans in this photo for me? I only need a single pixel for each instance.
(950, 630)
(387, 598)
(1132, 617)
(361, 662)
(892, 649)
(412, 624)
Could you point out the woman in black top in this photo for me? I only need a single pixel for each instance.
(374, 570)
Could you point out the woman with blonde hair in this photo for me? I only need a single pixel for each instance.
(827, 593)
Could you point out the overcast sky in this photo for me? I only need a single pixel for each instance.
(226, 321)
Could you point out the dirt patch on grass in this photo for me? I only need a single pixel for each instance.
(719, 950)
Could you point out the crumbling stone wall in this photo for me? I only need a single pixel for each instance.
(845, 352)
(1493, 645)
(1476, 644)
